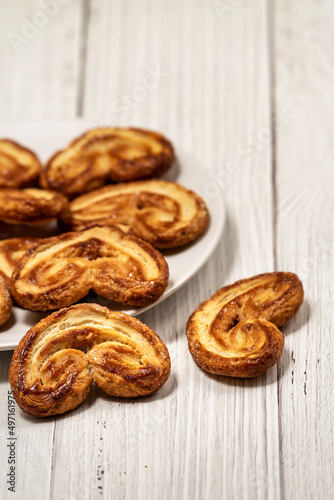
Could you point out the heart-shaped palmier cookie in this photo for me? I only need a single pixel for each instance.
(60, 270)
(56, 361)
(234, 333)
(107, 154)
(31, 206)
(19, 167)
(164, 213)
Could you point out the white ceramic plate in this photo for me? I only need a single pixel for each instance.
(45, 138)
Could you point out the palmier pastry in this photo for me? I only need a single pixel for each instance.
(165, 214)
(107, 154)
(11, 251)
(56, 361)
(235, 333)
(31, 206)
(5, 302)
(19, 167)
(60, 270)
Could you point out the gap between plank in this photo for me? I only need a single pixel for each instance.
(83, 56)
(52, 459)
(272, 82)
(272, 97)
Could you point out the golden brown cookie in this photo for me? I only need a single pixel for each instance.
(235, 333)
(165, 214)
(19, 167)
(11, 251)
(56, 361)
(31, 206)
(60, 270)
(106, 154)
(5, 302)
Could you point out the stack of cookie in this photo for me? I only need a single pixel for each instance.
(114, 218)
(103, 188)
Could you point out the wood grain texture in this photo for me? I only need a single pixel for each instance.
(41, 57)
(305, 228)
(246, 87)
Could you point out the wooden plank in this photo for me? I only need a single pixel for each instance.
(39, 55)
(40, 52)
(305, 228)
(200, 436)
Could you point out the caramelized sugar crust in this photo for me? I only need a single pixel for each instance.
(11, 252)
(56, 361)
(5, 302)
(31, 206)
(165, 214)
(19, 167)
(60, 270)
(234, 333)
(104, 155)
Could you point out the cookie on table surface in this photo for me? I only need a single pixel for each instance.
(31, 206)
(11, 251)
(103, 155)
(61, 270)
(234, 333)
(57, 360)
(164, 213)
(19, 167)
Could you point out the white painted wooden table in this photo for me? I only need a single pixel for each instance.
(247, 86)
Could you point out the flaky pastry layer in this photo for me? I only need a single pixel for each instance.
(234, 333)
(60, 270)
(165, 214)
(11, 252)
(31, 206)
(5, 302)
(56, 361)
(107, 154)
(19, 167)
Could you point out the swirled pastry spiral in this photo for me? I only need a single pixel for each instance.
(235, 333)
(55, 362)
(5, 302)
(60, 270)
(31, 206)
(11, 251)
(107, 154)
(19, 167)
(165, 214)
